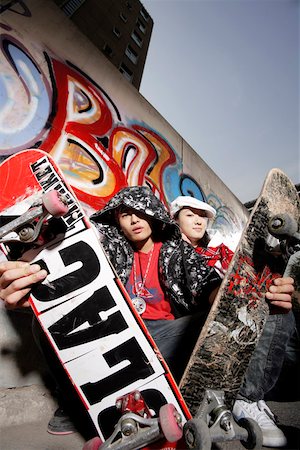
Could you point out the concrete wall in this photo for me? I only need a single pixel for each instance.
(60, 94)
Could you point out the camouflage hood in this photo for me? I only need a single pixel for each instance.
(142, 199)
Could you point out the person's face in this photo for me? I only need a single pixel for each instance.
(192, 223)
(135, 227)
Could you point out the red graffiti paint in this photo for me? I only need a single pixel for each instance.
(84, 133)
(245, 281)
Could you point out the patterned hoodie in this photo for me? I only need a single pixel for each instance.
(184, 275)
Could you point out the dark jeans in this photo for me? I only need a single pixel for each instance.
(176, 339)
(267, 360)
(62, 388)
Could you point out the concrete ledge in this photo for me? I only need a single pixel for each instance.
(25, 405)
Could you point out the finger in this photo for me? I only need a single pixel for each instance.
(283, 281)
(281, 296)
(281, 306)
(26, 281)
(284, 289)
(16, 290)
(17, 299)
(8, 265)
(15, 273)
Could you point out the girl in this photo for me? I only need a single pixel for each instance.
(192, 216)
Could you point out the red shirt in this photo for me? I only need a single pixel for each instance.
(157, 306)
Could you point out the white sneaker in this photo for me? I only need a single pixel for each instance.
(261, 413)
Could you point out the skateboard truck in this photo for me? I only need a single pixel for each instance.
(27, 227)
(137, 428)
(285, 229)
(214, 422)
(283, 226)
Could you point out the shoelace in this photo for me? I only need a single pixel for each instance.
(264, 407)
(262, 414)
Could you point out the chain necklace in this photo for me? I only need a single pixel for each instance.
(138, 302)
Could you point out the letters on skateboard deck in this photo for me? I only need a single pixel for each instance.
(234, 325)
(84, 310)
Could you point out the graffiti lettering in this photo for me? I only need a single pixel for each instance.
(75, 120)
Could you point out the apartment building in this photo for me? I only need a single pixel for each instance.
(121, 29)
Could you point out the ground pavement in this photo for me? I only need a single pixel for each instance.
(24, 413)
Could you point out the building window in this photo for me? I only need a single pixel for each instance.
(132, 54)
(137, 38)
(71, 6)
(141, 26)
(107, 50)
(144, 14)
(117, 32)
(123, 17)
(128, 74)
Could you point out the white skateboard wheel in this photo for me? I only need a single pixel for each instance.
(54, 204)
(170, 422)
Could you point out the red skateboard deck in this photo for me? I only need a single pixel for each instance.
(82, 307)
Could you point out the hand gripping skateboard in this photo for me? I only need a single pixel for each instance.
(85, 312)
(220, 358)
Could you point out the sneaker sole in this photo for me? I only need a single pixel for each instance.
(274, 443)
(60, 433)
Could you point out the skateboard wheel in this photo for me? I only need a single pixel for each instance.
(255, 437)
(93, 444)
(170, 422)
(282, 225)
(54, 204)
(197, 435)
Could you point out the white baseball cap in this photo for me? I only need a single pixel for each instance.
(191, 202)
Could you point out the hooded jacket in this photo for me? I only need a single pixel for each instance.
(184, 275)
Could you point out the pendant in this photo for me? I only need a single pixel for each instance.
(139, 304)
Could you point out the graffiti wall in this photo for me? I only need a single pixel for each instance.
(60, 94)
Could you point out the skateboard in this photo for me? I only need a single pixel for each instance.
(85, 312)
(234, 325)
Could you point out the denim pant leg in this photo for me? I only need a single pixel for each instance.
(61, 383)
(292, 357)
(176, 339)
(267, 360)
(63, 390)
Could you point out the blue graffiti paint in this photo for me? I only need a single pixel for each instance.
(22, 131)
(189, 186)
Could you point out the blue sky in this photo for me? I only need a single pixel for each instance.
(225, 75)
